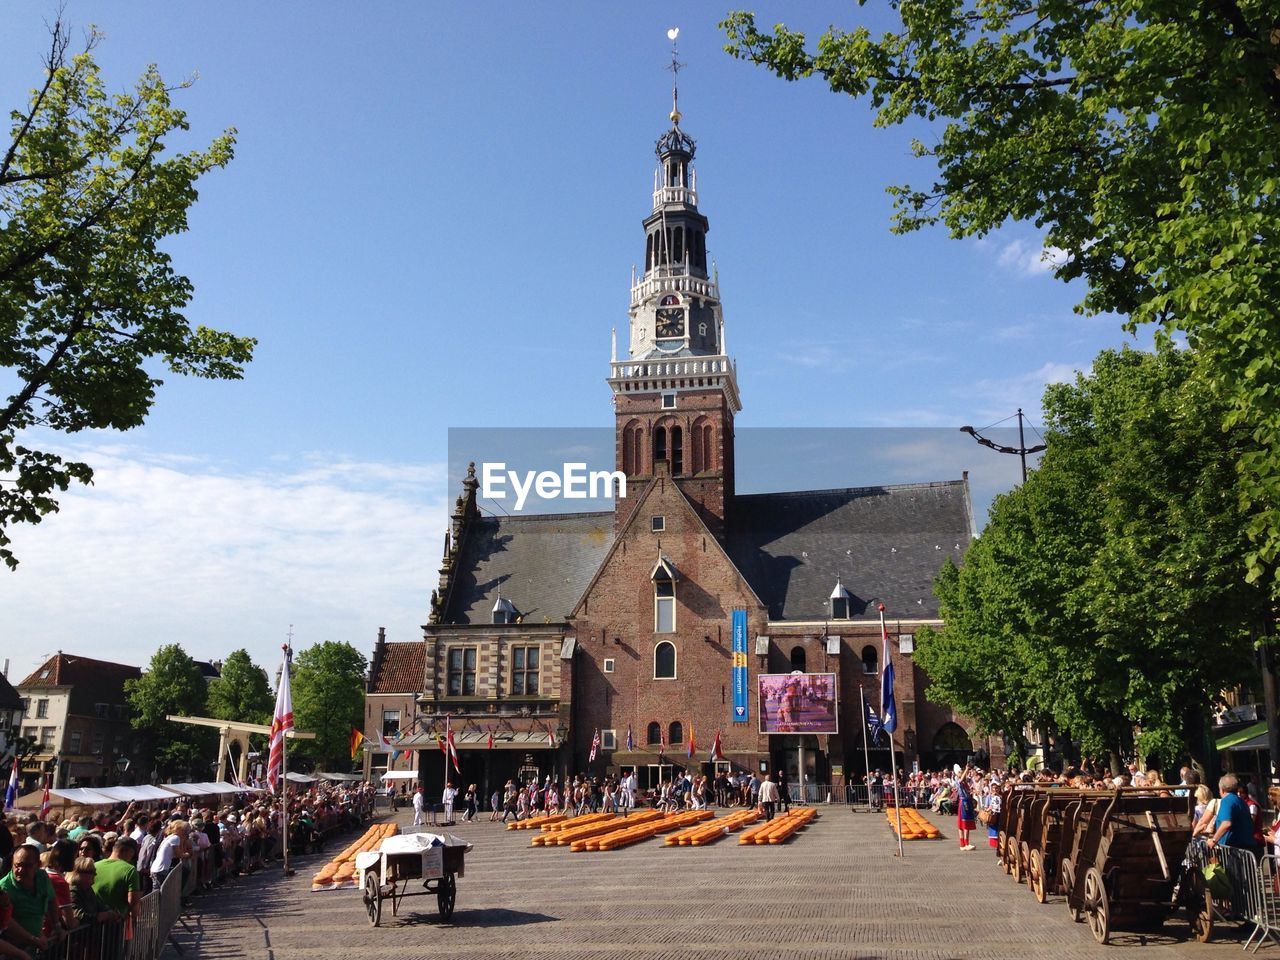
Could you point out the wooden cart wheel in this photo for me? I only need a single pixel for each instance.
(1069, 881)
(1036, 877)
(372, 898)
(1024, 862)
(1199, 903)
(1097, 906)
(1015, 855)
(1002, 852)
(446, 895)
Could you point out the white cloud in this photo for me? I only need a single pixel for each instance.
(998, 397)
(1030, 257)
(163, 549)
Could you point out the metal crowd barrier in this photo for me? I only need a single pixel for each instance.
(1265, 909)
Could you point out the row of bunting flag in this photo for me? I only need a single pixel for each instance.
(448, 745)
(884, 722)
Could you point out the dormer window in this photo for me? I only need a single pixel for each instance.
(841, 602)
(504, 611)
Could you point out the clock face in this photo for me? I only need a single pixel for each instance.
(670, 322)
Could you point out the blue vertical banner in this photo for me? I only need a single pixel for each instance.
(740, 666)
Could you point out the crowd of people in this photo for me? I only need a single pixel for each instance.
(92, 870)
(582, 794)
(1236, 816)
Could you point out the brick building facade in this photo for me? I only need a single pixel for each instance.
(628, 612)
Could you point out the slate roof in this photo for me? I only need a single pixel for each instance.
(399, 668)
(885, 543)
(541, 563)
(91, 681)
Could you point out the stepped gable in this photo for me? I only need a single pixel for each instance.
(885, 543)
(541, 563)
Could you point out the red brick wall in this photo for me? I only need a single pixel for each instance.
(620, 604)
(712, 488)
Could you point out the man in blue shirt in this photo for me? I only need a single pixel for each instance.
(1234, 826)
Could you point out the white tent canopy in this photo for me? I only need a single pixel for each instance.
(299, 778)
(401, 775)
(83, 796)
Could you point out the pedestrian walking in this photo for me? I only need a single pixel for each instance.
(419, 805)
(768, 796)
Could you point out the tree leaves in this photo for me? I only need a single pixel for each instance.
(88, 300)
(1104, 597)
(173, 685)
(328, 700)
(1143, 136)
(242, 691)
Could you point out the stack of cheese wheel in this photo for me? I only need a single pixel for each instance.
(528, 823)
(706, 833)
(341, 870)
(593, 832)
(637, 833)
(914, 825)
(564, 834)
(778, 829)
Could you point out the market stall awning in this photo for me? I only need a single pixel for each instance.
(340, 777)
(136, 794)
(300, 778)
(1236, 739)
(401, 775)
(83, 796)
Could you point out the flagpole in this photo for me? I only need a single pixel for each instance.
(893, 756)
(444, 784)
(284, 774)
(866, 745)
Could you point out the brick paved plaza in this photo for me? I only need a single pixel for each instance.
(833, 891)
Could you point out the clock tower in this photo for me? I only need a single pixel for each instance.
(676, 391)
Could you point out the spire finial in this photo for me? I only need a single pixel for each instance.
(675, 68)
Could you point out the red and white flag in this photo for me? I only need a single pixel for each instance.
(45, 805)
(595, 746)
(490, 739)
(717, 750)
(281, 721)
(551, 737)
(453, 751)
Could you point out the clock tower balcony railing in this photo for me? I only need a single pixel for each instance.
(665, 195)
(678, 373)
(673, 278)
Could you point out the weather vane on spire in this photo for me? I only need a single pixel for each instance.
(675, 68)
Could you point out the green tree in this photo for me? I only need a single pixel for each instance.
(1142, 135)
(242, 691)
(1104, 598)
(90, 305)
(328, 700)
(173, 685)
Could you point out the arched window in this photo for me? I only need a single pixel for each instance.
(797, 659)
(869, 660)
(664, 661)
(676, 732)
(951, 738)
(659, 444)
(654, 733)
(632, 449)
(677, 452)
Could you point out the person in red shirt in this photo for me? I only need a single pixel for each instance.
(58, 861)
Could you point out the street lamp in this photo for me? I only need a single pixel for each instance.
(1021, 450)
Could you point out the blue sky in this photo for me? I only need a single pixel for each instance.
(430, 223)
